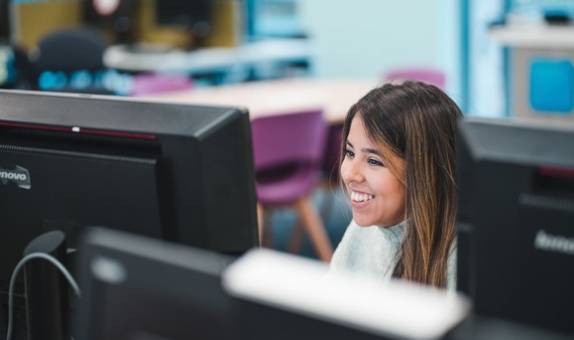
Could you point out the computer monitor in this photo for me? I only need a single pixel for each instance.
(516, 209)
(118, 17)
(283, 297)
(195, 16)
(141, 289)
(178, 172)
(482, 328)
(4, 21)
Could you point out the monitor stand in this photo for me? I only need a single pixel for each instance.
(47, 302)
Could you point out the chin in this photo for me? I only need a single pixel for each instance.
(369, 222)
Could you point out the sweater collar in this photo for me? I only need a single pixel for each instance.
(394, 233)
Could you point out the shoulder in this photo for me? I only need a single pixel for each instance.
(370, 250)
(349, 243)
(351, 247)
(356, 234)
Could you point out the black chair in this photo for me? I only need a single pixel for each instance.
(17, 72)
(69, 51)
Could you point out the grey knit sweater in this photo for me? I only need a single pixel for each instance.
(373, 251)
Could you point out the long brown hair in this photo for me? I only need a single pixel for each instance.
(417, 122)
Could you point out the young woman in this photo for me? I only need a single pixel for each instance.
(398, 169)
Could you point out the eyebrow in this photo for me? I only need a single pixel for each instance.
(367, 150)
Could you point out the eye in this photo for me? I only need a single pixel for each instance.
(349, 153)
(375, 162)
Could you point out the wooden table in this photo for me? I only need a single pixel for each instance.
(262, 98)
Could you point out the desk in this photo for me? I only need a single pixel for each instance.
(262, 98)
(207, 59)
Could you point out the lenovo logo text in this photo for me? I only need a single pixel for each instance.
(19, 176)
(554, 243)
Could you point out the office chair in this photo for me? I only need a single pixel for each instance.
(68, 51)
(330, 181)
(288, 150)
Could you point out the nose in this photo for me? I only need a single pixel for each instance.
(351, 171)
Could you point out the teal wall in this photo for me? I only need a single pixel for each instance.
(366, 38)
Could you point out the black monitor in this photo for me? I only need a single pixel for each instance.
(117, 17)
(195, 16)
(516, 215)
(178, 172)
(283, 297)
(139, 288)
(4, 21)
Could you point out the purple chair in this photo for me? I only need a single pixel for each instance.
(288, 150)
(332, 158)
(425, 75)
(145, 84)
(330, 168)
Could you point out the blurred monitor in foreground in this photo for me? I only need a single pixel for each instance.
(516, 214)
(281, 296)
(138, 288)
(141, 289)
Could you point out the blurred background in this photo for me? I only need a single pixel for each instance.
(315, 38)
(494, 58)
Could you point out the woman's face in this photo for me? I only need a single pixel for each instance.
(377, 196)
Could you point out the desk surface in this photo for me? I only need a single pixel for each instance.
(262, 98)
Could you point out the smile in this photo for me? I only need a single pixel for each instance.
(361, 197)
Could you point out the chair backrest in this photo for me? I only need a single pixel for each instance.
(332, 158)
(71, 50)
(425, 75)
(288, 139)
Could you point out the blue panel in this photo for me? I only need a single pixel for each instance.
(552, 85)
(465, 66)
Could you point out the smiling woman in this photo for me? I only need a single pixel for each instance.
(377, 193)
(398, 171)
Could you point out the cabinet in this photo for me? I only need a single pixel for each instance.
(541, 66)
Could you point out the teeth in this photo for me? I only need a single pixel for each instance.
(357, 197)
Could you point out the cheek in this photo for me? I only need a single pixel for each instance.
(389, 187)
(344, 170)
(397, 191)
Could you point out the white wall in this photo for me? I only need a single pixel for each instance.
(366, 38)
(486, 85)
(449, 45)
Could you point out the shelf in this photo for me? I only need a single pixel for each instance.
(535, 36)
(208, 59)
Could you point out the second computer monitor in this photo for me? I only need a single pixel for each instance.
(516, 214)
